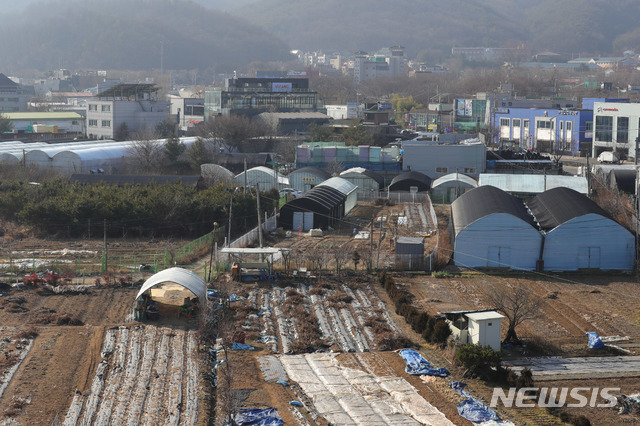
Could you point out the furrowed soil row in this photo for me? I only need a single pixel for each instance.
(284, 323)
(268, 327)
(338, 323)
(18, 348)
(148, 376)
(139, 395)
(153, 407)
(174, 384)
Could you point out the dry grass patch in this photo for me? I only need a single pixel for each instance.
(58, 319)
(16, 405)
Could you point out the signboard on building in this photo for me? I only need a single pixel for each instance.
(384, 105)
(468, 107)
(280, 87)
(352, 110)
(460, 108)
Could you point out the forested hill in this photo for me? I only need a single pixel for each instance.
(128, 34)
(595, 26)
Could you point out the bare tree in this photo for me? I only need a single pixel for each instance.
(144, 152)
(340, 255)
(233, 133)
(517, 304)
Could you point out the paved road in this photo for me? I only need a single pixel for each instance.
(579, 368)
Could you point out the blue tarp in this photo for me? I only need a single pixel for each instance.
(242, 347)
(594, 340)
(258, 417)
(471, 408)
(418, 366)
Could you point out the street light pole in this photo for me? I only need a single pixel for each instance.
(213, 239)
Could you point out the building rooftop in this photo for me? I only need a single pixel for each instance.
(479, 316)
(42, 115)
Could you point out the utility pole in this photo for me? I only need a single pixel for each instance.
(258, 208)
(106, 257)
(245, 178)
(371, 244)
(230, 213)
(213, 241)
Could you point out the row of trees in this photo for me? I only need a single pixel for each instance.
(75, 210)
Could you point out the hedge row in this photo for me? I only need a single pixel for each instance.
(433, 330)
(155, 210)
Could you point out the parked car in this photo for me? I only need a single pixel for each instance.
(290, 191)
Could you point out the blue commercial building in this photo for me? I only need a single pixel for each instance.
(566, 131)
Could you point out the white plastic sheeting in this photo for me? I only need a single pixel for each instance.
(263, 176)
(347, 396)
(180, 276)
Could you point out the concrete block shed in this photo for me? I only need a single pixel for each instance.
(476, 327)
(485, 329)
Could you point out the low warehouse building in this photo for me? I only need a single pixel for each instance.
(448, 188)
(404, 182)
(579, 234)
(321, 206)
(494, 229)
(306, 178)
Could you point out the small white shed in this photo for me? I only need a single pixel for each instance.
(485, 329)
(477, 327)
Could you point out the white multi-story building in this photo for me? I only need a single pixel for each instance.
(13, 98)
(616, 128)
(131, 106)
(187, 111)
(388, 63)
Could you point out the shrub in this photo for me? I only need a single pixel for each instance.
(427, 334)
(580, 421)
(477, 359)
(28, 333)
(525, 380)
(441, 332)
(419, 322)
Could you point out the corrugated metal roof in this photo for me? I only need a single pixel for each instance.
(43, 116)
(559, 205)
(410, 240)
(484, 201)
(479, 316)
(453, 177)
(533, 184)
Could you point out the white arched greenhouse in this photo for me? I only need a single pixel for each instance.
(366, 180)
(215, 174)
(579, 234)
(87, 156)
(307, 178)
(263, 176)
(446, 189)
(494, 229)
